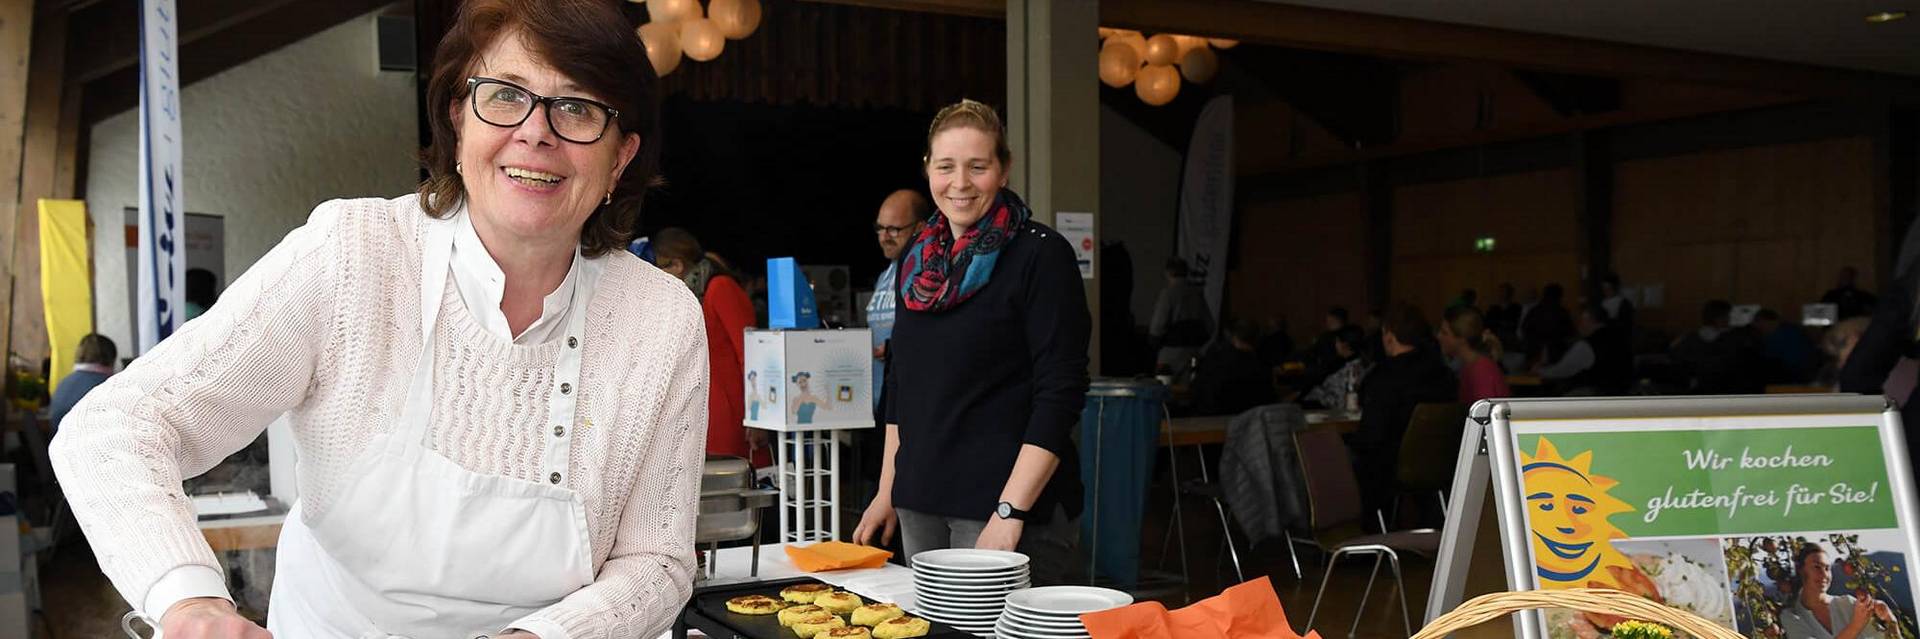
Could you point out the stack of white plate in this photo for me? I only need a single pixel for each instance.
(967, 588)
(1053, 612)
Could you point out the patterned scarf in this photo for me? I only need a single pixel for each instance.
(940, 271)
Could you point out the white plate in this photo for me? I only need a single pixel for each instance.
(991, 610)
(961, 575)
(1051, 622)
(971, 607)
(970, 560)
(950, 616)
(997, 596)
(1067, 600)
(932, 584)
(1012, 630)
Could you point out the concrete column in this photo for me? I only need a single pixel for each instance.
(1053, 115)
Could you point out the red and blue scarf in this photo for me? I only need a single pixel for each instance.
(941, 271)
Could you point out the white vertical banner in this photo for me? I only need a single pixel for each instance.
(1206, 200)
(162, 255)
(1078, 229)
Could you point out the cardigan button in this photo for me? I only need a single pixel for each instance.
(559, 431)
(572, 342)
(555, 478)
(565, 388)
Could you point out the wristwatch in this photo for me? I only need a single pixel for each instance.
(1006, 511)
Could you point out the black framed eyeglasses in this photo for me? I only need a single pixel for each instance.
(883, 229)
(505, 104)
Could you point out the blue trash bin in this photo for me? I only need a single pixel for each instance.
(1119, 431)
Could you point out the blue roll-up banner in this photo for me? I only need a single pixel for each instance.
(162, 255)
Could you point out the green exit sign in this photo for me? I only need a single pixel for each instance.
(1483, 245)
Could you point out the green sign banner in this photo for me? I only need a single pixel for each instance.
(1714, 482)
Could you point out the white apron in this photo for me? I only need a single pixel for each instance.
(416, 546)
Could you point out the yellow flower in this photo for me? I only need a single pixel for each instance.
(1641, 630)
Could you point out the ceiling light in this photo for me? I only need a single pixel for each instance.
(1886, 16)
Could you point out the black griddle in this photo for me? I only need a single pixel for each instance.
(707, 613)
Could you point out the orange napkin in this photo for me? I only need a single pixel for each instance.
(1248, 611)
(836, 555)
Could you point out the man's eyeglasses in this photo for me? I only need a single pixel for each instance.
(505, 104)
(883, 229)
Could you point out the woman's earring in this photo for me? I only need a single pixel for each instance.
(609, 199)
(457, 169)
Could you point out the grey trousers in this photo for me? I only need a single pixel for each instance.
(1051, 547)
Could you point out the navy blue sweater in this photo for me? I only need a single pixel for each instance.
(971, 385)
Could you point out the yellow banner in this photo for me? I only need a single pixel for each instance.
(66, 284)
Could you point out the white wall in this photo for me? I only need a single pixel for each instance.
(1139, 198)
(265, 142)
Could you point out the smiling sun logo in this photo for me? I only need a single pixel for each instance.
(1567, 510)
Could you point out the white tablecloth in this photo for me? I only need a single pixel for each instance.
(890, 583)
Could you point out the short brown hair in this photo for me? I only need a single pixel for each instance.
(591, 43)
(975, 115)
(679, 244)
(96, 349)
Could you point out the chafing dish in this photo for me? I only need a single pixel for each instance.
(729, 508)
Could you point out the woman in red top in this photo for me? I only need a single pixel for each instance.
(1465, 339)
(729, 314)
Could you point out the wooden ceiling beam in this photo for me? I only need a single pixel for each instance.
(221, 42)
(971, 8)
(1343, 31)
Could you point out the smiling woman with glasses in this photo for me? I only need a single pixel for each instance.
(500, 415)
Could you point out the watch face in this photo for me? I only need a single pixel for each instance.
(1005, 510)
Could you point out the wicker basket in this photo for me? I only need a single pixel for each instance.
(1611, 602)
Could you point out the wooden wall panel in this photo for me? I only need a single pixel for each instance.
(1530, 216)
(1764, 225)
(1295, 258)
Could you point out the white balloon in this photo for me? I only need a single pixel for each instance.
(1188, 43)
(1157, 84)
(1118, 64)
(1132, 39)
(673, 10)
(663, 46)
(736, 18)
(1163, 49)
(1199, 65)
(701, 39)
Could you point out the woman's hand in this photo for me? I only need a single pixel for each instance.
(1000, 534)
(208, 618)
(1863, 609)
(879, 519)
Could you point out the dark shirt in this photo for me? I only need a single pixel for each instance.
(1387, 399)
(69, 391)
(1394, 388)
(1548, 331)
(971, 385)
(1889, 338)
(1852, 302)
(1790, 355)
(1731, 363)
(1230, 381)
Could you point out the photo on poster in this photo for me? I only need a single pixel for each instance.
(1820, 586)
(1689, 574)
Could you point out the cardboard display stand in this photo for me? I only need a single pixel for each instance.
(1720, 506)
(809, 387)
